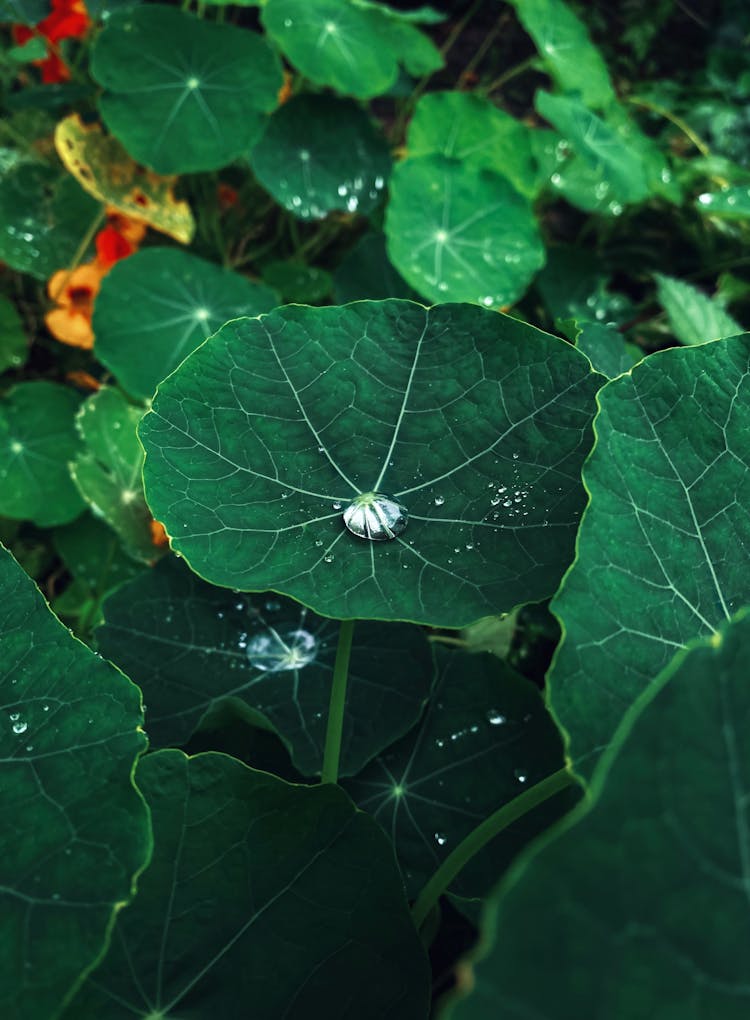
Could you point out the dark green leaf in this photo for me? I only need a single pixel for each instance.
(693, 316)
(14, 348)
(367, 273)
(297, 282)
(476, 422)
(605, 348)
(26, 12)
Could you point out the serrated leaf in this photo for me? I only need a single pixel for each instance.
(477, 423)
(457, 233)
(664, 547)
(192, 646)
(693, 316)
(76, 831)
(485, 737)
(14, 348)
(643, 891)
(107, 471)
(182, 94)
(158, 305)
(37, 440)
(566, 48)
(103, 168)
(318, 154)
(260, 895)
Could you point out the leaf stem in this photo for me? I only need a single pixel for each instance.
(81, 250)
(481, 835)
(512, 72)
(678, 122)
(332, 752)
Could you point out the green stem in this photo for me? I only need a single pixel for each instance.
(480, 836)
(332, 752)
(81, 250)
(512, 72)
(678, 122)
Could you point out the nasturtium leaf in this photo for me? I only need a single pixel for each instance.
(575, 285)
(636, 906)
(459, 233)
(44, 215)
(604, 347)
(566, 48)
(730, 203)
(475, 422)
(297, 282)
(484, 739)
(319, 153)
(156, 306)
(366, 272)
(354, 48)
(14, 347)
(108, 470)
(262, 898)
(474, 131)
(25, 12)
(191, 646)
(568, 176)
(693, 315)
(37, 439)
(76, 830)
(182, 94)
(411, 48)
(664, 547)
(103, 168)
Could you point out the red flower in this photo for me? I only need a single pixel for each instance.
(111, 246)
(67, 20)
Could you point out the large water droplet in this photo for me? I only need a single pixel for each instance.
(375, 516)
(20, 727)
(276, 651)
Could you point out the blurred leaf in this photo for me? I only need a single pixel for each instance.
(693, 316)
(14, 347)
(366, 272)
(605, 348)
(297, 282)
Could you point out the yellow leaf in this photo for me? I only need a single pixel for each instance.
(101, 166)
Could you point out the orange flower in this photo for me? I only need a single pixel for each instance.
(74, 294)
(120, 238)
(67, 20)
(158, 534)
(285, 92)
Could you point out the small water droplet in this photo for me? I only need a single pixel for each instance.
(20, 727)
(440, 839)
(439, 500)
(495, 718)
(328, 558)
(14, 716)
(520, 775)
(337, 505)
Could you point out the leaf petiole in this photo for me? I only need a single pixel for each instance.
(332, 751)
(481, 835)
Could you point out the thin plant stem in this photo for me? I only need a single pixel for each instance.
(332, 751)
(511, 73)
(463, 78)
(481, 835)
(678, 122)
(86, 240)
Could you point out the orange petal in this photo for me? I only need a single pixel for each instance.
(70, 327)
(158, 534)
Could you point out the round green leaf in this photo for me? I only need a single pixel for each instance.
(108, 470)
(297, 282)
(474, 131)
(157, 306)
(664, 547)
(190, 646)
(76, 831)
(37, 439)
(182, 94)
(476, 422)
(484, 739)
(262, 898)
(14, 348)
(320, 153)
(638, 904)
(461, 234)
(366, 273)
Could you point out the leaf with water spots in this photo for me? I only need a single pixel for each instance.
(75, 830)
(664, 547)
(639, 904)
(485, 737)
(475, 423)
(156, 306)
(319, 154)
(181, 93)
(192, 646)
(263, 898)
(461, 233)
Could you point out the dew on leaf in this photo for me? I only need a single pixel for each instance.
(277, 651)
(375, 516)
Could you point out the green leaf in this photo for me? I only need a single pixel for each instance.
(605, 348)
(44, 217)
(693, 316)
(297, 282)
(191, 646)
(728, 204)
(108, 470)
(319, 153)
(37, 439)
(263, 896)
(182, 94)
(25, 12)
(366, 273)
(34, 49)
(474, 131)
(484, 738)
(158, 305)
(354, 48)
(476, 422)
(637, 904)
(14, 348)
(664, 547)
(566, 48)
(76, 831)
(461, 234)
(575, 285)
